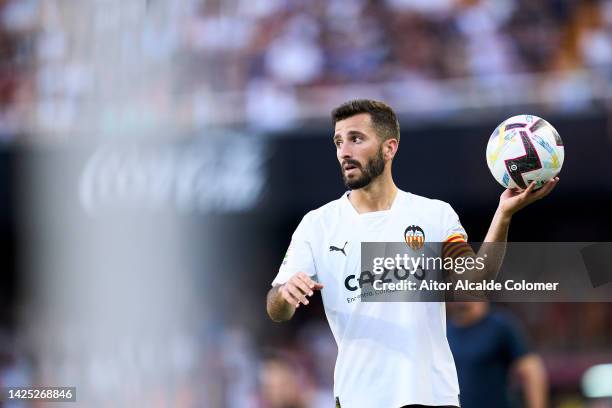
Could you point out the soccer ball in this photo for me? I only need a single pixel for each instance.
(523, 149)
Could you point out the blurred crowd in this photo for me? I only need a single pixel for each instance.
(269, 63)
(308, 43)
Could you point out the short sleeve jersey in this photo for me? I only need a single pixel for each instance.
(389, 354)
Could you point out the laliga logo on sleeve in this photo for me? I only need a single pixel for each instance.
(415, 237)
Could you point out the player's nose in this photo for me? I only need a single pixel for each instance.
(344, 152)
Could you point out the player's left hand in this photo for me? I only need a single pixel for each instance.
(513, 200)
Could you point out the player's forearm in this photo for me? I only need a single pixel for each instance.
(278, 308)
(493, 247)
(498, 230)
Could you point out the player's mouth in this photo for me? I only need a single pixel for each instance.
(350, 168)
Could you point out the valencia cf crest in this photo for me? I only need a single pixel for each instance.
(415, 237)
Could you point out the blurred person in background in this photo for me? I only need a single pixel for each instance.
(282, 384)
(488, 346)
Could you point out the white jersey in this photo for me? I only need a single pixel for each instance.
(389, 354)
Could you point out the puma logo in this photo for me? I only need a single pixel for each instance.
(335, 248)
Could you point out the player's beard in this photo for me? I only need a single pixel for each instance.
(374, 168)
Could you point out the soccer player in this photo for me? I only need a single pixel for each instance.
(390, 355)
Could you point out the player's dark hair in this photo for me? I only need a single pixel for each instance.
(383, 118)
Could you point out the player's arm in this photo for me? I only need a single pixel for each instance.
(510, 202)
(493, 248)
(532, 375)
(294, 281)
(282, 300)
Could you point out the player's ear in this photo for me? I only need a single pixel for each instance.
(390, 147)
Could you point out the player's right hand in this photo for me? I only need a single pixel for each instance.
(297, 289)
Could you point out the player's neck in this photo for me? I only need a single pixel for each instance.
(379, 195)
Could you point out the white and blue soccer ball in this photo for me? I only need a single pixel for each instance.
(523, 149)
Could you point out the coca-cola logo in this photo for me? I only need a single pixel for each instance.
(212, 176)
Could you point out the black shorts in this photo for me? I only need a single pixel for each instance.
(429, 406)
(420, 406)
(411, 406)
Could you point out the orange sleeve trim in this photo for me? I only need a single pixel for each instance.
(455, 246)
(457, 237)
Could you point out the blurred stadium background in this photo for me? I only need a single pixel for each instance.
(156, 156)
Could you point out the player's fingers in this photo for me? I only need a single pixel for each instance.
(288, 296)
(303, 285)
(301, 275)
(314, 284)
(529, 188)
(308, 282)
(547, 188)
(297, 293)
(511, 192)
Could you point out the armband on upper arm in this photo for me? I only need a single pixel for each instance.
(455, 246)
